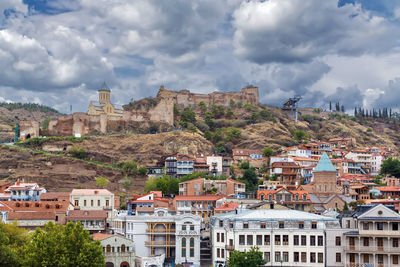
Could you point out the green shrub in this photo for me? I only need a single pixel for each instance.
(143, 171)
(79, 153)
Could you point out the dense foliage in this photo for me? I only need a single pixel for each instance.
(102, 182)
(54, 245)
(391, 166)
(252, 258)
(167, 184)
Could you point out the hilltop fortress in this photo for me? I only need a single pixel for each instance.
(104, 117)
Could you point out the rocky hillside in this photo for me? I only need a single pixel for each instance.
(12, 113)
(60, 173)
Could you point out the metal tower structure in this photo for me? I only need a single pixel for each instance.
(292, 105)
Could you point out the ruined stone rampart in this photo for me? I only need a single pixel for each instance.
(160, 109)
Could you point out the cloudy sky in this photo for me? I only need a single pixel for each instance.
(59, 52)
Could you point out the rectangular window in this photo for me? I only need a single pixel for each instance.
(192, 228)
(245, 225)
(266, 240)
(281, 225)
(277, 257)
(312, 257)
(285, 240)
(217, 237)
(222, 253)
(295, 240)
(285, 256)
(366, 242)
(395, 226)
(314, 225)
(259, 240)
(296, 257)
(395, 259)
(338, 241)
(312, 240)
(184, 229)
(277, 239)
(304, 240)
(222, 237)
(301, 225)
(267, 257)
(84, 203)
(249, 240)
(76, 203)
(221, 223)
(320, 240)
(365, 226)
(107, 203)
(98, 202)
(304, 257)
(366, 258)
(231, 225)
(320, 257)
(379, 226)
(338, 257)
(241, 240)
(395, 242)
(218, 252)
(263, 225)
(352, 241)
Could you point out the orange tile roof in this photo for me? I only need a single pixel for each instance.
(40, 215)
(101, 236)
(228, 206)
(388, 188)
(205, 198)
(86, 215)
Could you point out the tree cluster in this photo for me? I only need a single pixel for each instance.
(338, 107)
(167, 184)
(373, 113)
(252, 258)
(54, 245)
(391, 166)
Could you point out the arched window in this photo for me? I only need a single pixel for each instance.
(191, 253)
(184, 247)
(123, 248)
(304, 197)
(296, 197)
(108, 250)
(262, 197)
(269, 197)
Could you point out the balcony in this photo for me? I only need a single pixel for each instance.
(161, 231)
(371, 248)
(229, 247)
(160, 243)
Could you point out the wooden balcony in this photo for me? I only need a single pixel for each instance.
(160, 243)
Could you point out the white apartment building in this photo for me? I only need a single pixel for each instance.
(117, 250)
(372, 237)
(376, 163)
(363, 157)
(175, 236)
(215, 164)
(93, 199)
(285, 237)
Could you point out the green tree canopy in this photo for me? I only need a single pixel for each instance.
(391, 166)
(12, 244)
(167, 184)
(102, 182)
(188, 115)
(300, 135)
(59, 245)
(252, 258)
(268, 152)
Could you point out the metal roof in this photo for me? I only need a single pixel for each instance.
(325, 164)
(273, 215)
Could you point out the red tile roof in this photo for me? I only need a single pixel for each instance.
(87, 215)
(41, 215)
(228, 206)
(101, 236)
(204, 198)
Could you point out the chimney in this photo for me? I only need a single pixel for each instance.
(96, 192)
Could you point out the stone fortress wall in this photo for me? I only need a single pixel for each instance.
(163, 111)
